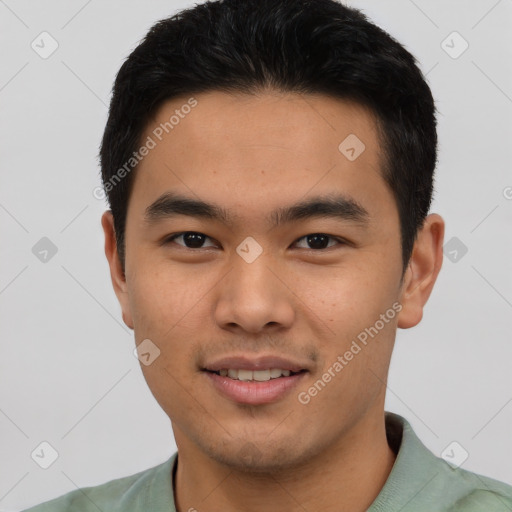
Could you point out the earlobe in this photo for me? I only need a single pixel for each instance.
(116, 272)
(422, 271)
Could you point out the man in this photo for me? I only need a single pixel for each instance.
(269, 167)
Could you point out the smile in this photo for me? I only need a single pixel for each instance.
(257, 375)
(254, 387)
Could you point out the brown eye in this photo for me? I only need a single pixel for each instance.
(191, 239)
(319, 241)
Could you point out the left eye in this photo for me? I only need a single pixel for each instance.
(318, 241)
(195, 240)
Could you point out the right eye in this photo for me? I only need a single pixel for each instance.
(191, 239)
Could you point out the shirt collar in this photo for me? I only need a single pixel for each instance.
(414, 467)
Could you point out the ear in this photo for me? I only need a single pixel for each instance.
(116, 271)
(422, 271)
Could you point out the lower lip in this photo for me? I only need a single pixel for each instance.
(254, 392)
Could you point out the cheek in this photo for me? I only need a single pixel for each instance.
(161, 296)
(350, 303)
(151, 303)
(160, 308)
(168, 310)
(344, 297)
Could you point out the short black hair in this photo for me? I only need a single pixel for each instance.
(301, 46)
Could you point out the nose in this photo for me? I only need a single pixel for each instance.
(254, 297)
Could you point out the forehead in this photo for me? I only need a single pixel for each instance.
(252, 150)
(291, 122)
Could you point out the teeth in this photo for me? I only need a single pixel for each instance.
(245, 375)
(258, 375)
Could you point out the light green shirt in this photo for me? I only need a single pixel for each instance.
(418, 482)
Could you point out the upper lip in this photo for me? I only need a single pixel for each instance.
(254, 363)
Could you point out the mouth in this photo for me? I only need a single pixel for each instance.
(254, 387)
(254, 375)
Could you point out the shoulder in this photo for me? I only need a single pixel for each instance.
(129, 493)
(420, 481)
(478, 492)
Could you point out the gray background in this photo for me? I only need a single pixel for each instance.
(67, 371)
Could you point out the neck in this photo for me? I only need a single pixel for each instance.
(347, 476)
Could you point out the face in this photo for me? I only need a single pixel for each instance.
(294, 258)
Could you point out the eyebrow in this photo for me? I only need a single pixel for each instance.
(335, 206)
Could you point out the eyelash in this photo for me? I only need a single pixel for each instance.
(171, 238)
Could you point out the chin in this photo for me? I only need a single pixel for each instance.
(248, 457)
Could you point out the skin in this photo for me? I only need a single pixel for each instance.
(251, 154)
